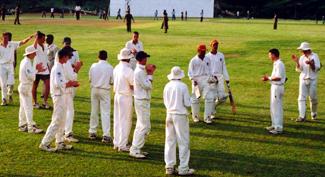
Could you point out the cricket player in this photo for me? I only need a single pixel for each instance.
(308, 65)
(27, 75)
(135, 45)
(176, 100)
(71, 68)
(7, 72)
(101, 81)
(219, 71)
(128, 18)
(277, 80)
(41, 57)
(142, 95)
(52, 50)
(199, 74)
(123, 88)
(58, 86)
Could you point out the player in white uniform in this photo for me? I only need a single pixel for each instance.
(101, 81)
(27, 74)
(135, 45)
(308, 65)
(176, 100)
(199, 74)
(277, 81)
(123, 88)
(59, 84)
(7, 72)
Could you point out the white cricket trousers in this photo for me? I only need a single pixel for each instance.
(69, 113)
(122, 119)
(26, 105)
(100, 101)
(177, 131)
(6, 78)
(206, 94)
(142, 128)
(277, 92)
(56, 128)
(307, 88)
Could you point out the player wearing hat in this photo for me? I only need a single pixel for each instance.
(308, 65)
(7, 58)
(135, 45)
(58, 86)
(176, 100)
(123, 88)
(101, 80)
(219, 71)
(277, 80)
(199, 74)
(27, 75)
(142, 95)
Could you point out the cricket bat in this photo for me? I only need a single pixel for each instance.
(232, 101)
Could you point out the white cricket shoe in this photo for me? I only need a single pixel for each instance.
(188, 172)
(46, 148)
(170, 171)
(35, 130)
(63, 146)
(137, 155)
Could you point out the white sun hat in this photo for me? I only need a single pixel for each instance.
(29, 50)
(125, 54)
(176, 73)
(304, 46)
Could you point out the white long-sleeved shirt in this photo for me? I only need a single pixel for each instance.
(27, 72)
(7, 54)
(218, 65)
(69, 75)
(279, 72)
(41, 57)
(75, 57)
(138, 46)
(123, 79)
(176, 97)
(305, 70)
(199, 67)
(142, 83)
(57, 80)
(101, 75)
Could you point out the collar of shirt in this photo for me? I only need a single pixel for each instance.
(141, 66)
(102, 61)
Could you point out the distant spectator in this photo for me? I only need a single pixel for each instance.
(202, 14)
(156, 15)
(118, 16)
(3, 12)
(165, 21)
(237, 14)
(43, 14)
(173, 15)
(78, 11)
(52, 12)
(185, 15)
(182, 16)
(17, 12)
(128, 18)
(275, 25)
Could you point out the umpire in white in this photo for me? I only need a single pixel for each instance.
(308, 65)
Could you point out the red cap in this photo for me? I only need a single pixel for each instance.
(201, 47)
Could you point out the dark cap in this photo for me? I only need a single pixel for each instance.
(69, 50)
(141, 55)
(67, 40)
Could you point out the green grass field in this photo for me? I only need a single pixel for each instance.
(234, 145)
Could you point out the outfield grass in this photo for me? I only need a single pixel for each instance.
(235, 145)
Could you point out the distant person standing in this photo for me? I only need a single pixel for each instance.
(52, 12)
(237, 14)
(277, 81)
(118, 16)
(43, 14)
(182, 16)
(128, 18)
(275, 25)
(3, 12)
(173, 15)
(78, 11)
(62, 13)
(323, 20)
(202, 14)
(185, 15)
(248, 14)
(156, 15)
(17, 13)
(164, 25)
(105, 16)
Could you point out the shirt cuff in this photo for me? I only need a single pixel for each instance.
(150, 77)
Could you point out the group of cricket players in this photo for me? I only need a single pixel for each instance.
(132, 83)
